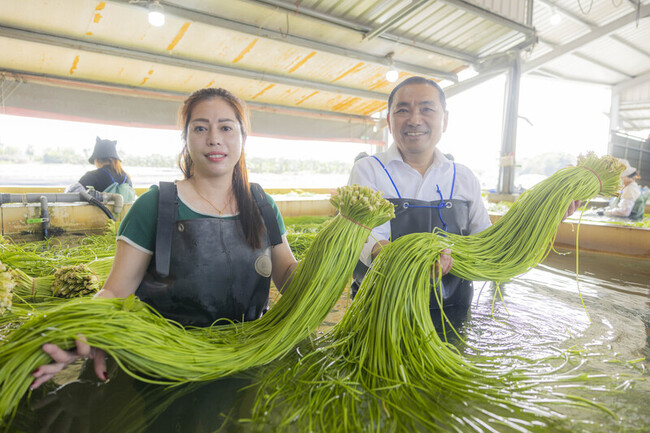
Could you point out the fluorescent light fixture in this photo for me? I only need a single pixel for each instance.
(156, 15)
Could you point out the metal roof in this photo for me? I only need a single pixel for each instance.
(308, 68)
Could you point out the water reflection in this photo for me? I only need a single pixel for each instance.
(126, 405)
(526, 324)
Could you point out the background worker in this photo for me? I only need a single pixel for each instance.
(623, 205)
(428, 189)
(109, 175)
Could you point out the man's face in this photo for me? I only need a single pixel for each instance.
(417, 121)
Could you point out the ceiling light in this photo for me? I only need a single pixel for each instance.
(156, 15)
(391, 75)
(556, 18)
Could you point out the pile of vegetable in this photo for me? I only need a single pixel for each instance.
(155, 350)
(383, 367)
(66, 282)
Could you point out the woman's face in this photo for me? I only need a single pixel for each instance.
(214, 138)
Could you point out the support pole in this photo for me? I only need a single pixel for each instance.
(509, 136)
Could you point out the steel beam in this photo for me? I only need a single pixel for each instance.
(491, 16)
(395, 19)
(101, 86)
(605, 30)
(94, 47)
(300, 10)
(257, 31)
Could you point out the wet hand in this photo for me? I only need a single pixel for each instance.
(443, 266)
(63, 358)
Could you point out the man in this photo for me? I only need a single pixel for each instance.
(428, 189)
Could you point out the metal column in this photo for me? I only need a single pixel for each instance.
(509, 136)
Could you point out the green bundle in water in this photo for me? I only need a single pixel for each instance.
(384, 367)
(521, 238)
(156, 350)
(67, 282)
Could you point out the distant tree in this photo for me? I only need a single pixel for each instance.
(66, 155)
(546, 163)
(154, 160)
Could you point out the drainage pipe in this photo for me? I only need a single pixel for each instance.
(45, 217)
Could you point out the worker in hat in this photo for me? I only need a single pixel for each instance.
(623, 205)
(109, 176)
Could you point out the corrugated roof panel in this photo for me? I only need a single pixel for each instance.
(512, 9)
(638, 34)
(561, 33)
(619, 55)
(450, 27)
(573, 67)
(598, 12)
(637, 93)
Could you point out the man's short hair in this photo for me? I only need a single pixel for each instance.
(419, 80)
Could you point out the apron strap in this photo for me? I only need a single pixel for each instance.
(270, 221)
(167, 209)
(389, 176)
(109, 175)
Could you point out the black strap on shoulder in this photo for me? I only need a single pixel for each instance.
(268, 215)
(167, 208)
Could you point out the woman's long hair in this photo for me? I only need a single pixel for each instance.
(249, 215)
(115, 164)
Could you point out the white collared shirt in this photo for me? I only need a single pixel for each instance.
(625, 204)
(411, 184)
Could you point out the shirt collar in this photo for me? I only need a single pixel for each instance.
(439, 158)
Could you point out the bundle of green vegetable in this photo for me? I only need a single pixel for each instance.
(67, 281)
(155, 350)
(521, 238)
(75, 281)
(6, 288)
(383, 367)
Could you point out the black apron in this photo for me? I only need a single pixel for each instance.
(419, 216)
(203, 269)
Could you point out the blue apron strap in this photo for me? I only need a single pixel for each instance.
(389, 176)
(109, 175)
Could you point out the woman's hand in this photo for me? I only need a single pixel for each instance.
(63, 358)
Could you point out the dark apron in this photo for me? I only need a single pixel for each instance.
(419, 216)
(212, 273)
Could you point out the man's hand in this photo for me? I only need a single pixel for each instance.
(377, 248)
(572, 208)
(444, 265)
(63, 358)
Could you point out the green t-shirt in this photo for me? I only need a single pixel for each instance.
(138, 227)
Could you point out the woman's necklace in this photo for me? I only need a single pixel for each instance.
(220, 211)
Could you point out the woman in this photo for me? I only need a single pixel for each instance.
(623, 205)
(109, 175)
(210, 258)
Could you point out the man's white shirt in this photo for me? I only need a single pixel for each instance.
(411, 184)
